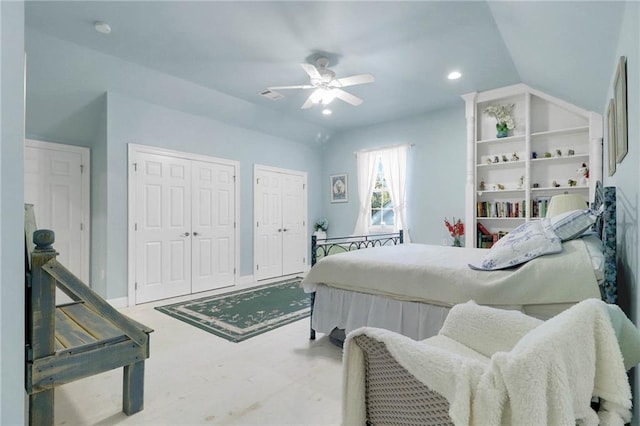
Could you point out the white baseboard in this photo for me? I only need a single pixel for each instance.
(120, 302)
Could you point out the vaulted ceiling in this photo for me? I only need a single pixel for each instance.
(241, 48)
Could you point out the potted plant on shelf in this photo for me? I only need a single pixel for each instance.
(504, 120)
(320, 228)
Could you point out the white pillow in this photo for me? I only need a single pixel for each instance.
(570, 225)
(596, 254)
(526, 242)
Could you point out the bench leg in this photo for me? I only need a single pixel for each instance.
(133, 388)
(41, 408)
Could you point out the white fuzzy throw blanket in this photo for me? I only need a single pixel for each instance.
(527, 372)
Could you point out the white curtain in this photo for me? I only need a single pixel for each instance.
(394, 164)
(366, 180)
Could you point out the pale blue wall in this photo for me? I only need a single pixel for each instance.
(135, 121)
(154, 112)
(627, 178)
(12, 394)
(436, 171)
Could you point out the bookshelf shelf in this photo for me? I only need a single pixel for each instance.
(544, 124)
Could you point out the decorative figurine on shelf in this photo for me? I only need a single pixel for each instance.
(555, 184)
(482, 186)
(583, 172)
(558, 153)
(488, 160)
(500, 186)
(572, 182)
(547, 155)
(504, 120)
(504, 158)
(536, 185)
(534, 155)
(521, 182)
(515, 157)
(496, 159)
(570, 152)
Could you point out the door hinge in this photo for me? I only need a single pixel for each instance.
(234, 271)
(135, 226)
(82, 226)
(258, 181)
(81, 168)
(304, 186)
(257, 267)
(257, 224)
(234, 225)
(135, 167)
(304, 260)
(234, 178)
(304, 223)
(136, 285)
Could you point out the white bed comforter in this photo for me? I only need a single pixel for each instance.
(441, 275)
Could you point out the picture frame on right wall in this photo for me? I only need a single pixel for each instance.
(620, 98)
(611, 136)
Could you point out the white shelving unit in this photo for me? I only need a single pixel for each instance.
(525, 167)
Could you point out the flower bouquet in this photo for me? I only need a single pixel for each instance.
(502, 114)
(456, 230)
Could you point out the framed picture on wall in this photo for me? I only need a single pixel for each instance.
(611, 136)
(339, 188)
(620, 96)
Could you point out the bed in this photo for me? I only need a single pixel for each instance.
(378, 281)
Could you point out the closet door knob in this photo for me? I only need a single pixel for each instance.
(279, 229)
(285, 229)
(195, 234)
(186, 234)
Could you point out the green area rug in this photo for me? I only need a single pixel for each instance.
(242, 314)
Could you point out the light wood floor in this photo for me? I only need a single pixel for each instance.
(196, 378)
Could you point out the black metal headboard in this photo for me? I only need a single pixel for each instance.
(605, 226)
(324, 247)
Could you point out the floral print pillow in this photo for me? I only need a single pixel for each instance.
(526, 242)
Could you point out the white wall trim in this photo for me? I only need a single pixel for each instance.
(85, 183)
(132, 150)
(119, 302)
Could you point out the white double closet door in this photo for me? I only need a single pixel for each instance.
(184, 230)
(280, 208)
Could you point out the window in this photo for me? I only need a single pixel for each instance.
(381, 203)
(382, 175)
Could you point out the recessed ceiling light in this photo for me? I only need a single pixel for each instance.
(102, 27)
(454, 75)
(326, 111)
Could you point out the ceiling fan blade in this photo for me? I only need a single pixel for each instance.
(347, 97)
(355, 79)
(311, 70)
(302, 86)
(313, 99)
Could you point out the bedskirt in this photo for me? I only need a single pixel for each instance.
(349, 310)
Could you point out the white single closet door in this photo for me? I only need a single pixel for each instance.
(53, 184)
(293, 214)
(213, 242)
(268, 208)
(163, 220)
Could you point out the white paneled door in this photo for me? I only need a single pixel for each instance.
(280, 222)
(56, 182)
(184, 226)
(213, 226)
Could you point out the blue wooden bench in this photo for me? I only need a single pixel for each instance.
(75, 340)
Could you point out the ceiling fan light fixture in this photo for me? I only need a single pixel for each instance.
(454, 75)
(326, 111)
(328, 96)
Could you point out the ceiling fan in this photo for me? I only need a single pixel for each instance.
(327, 86)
